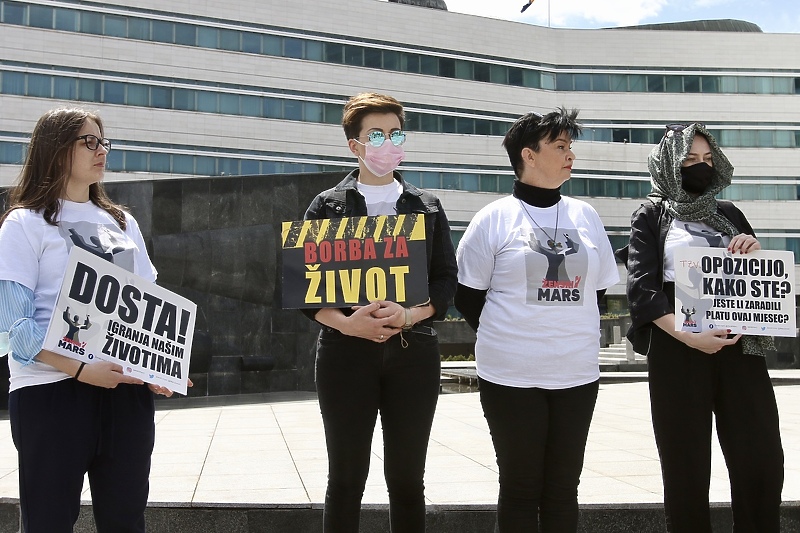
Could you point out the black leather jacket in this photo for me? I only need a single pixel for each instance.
(649, 297)
(344, 200)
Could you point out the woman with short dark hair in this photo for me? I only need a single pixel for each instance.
(532, 267)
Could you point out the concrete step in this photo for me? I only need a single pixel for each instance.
(457, 518)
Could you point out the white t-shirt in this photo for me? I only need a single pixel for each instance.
(34, 254)
(697, 234)
(381, 199)
(540, 326)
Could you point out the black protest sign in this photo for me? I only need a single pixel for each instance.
(343, 262)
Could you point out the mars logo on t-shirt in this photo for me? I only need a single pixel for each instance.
(555, 264)
(106, 241)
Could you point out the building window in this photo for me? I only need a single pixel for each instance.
(229, 104)
(710, 84)
(293, 110)
(600, 83)
(184, 99)
(564, 82)
(162, 31)
(293, 48)
(39, 85)
(161, 97)
(208, 102)
(481, 72)
(637, 82)
(691, 84)
(250, 105)
(185, 35)
(91, 23)
(429, 65)
(113, 92)
(41, 17)
(251, 43)
(14, 13)
(66, 19)
(655, 83)
(89, 90)
(115, 26)
(12, 153)
(391, 60)
(159, 162)
(64, 88)
(140, 29)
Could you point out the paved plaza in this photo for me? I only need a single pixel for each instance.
(271, 452)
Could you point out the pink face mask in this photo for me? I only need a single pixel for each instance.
(384, 159)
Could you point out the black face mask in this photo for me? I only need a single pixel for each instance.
(697, 178)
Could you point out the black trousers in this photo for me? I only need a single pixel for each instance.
(687, 388)
(356, 379)
(65, 429)
(539, 437)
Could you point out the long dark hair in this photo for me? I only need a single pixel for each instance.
(43, 180)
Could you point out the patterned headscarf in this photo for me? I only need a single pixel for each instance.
(664, 163)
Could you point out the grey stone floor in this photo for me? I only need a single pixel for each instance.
(272, 453)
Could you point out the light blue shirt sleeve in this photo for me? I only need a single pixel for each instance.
(25, 337)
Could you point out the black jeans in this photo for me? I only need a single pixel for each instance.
(356, 379)
(687, 388)
(539, 437)
(65, 429)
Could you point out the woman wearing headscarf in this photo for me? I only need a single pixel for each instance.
(694, 377)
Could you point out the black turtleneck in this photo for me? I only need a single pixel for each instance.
(536, 196)
(470, 301)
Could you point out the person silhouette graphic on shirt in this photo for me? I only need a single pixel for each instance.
(555, 254)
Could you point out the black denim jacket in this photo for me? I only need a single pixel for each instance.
(344, 200)
(649, 297)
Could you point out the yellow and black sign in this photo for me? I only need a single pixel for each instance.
(340, 262)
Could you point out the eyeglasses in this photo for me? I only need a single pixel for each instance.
(377, 138)
(93, 142)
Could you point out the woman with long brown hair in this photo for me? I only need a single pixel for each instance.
(70, 418)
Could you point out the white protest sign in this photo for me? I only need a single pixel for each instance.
(749, 293)
(105, 312)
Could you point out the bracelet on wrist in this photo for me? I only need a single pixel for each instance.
(80, 369)
(409, 320)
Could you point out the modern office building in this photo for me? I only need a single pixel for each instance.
(197, 88)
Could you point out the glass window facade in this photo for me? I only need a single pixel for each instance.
(233, 101)
(259, 40)
(191, 95)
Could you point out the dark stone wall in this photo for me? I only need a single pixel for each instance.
(217, 242)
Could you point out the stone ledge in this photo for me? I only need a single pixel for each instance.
(456, 518)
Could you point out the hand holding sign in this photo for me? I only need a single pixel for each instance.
(749, 293)
(106, 374)
(141, 331)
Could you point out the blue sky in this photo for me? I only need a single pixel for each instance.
(773, 16)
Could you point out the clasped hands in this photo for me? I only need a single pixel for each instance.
(377, 321)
